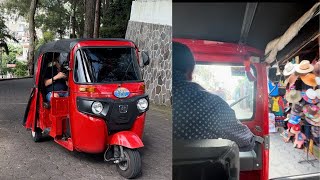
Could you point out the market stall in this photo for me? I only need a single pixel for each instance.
(294, 84)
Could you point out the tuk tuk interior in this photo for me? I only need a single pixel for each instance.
(235, 35)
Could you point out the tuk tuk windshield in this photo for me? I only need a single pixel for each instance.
(231, 84)
(105, 65)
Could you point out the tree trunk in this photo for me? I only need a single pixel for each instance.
(97, 20)
(73, 19)
(89, 18)
(32, 34)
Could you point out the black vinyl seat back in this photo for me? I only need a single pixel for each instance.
(205, 159)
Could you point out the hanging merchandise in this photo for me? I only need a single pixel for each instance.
(316, 70)
(310, 96)
(296, 109)
(312, 111)
(293, 96)
(304, 67)
(299, 137)
(289, 69)
(273, 89)
(309, 79)
(275, 105)
(291, 81)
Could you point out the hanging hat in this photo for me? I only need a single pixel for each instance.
(296, 109)
(317, 80)
(316, 70)
(311, 111)
(313, 123)
(291, 80)
(310, 96)
(293, 96)
(294, 119)
(304, 67)
(289, 69)
(309, 79)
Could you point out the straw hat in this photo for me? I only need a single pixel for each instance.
(312, 112)
(310, 96)
(316, 70)
(293, 96)
(309, 79)
(291, 80)
(304, 67)
(288, 69)
(313, 123)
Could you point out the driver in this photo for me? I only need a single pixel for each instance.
(199, 114)
(55, 79)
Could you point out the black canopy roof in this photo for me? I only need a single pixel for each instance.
(224, 21)
(66, 45)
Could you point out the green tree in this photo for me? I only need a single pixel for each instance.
(21, 69)
(47, 37)
(5, 35)
(115, 19)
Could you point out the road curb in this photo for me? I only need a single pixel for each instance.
(15, 78)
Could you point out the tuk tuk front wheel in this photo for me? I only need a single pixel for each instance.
(130, 167)
(36, 135)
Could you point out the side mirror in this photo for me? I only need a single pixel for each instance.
(145, 58)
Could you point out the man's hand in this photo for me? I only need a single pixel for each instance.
(258, 139)
(60, 75)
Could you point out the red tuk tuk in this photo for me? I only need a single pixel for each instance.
(106, 105)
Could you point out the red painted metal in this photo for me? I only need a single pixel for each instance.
(230, 53)
(126, 139)
(88, 133)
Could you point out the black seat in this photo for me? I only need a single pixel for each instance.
(205, 159)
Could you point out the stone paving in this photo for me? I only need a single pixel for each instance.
(284, 159)
(21, 158)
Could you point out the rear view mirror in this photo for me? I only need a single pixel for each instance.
(145, 58)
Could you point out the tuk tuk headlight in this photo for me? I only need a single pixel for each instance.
(142, 104)
(97, 107)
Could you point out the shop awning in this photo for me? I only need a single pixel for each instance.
(278, 44)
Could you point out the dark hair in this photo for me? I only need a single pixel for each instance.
(182, 58)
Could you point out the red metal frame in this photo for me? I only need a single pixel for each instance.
(230, 53)
(88, 133)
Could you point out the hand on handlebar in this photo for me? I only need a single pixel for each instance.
(258, 139)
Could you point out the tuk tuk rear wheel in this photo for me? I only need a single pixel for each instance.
(36, 135)
(131, 166)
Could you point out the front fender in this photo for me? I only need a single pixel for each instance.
(127, 139)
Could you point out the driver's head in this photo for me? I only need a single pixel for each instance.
(182, 59)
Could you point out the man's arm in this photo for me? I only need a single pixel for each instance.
(231, 128)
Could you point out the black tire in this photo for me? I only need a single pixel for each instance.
(36, 135)
(132, 168)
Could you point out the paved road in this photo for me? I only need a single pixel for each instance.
(284, 159)
(21, 158)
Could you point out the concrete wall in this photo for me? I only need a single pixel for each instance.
(150, 28)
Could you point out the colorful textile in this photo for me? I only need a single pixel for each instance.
(275, 105)
(275, 92)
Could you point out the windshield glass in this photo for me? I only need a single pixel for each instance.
(231, 84)
(103, 65)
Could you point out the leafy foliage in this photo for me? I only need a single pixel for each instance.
(115, 20)
(47, 37)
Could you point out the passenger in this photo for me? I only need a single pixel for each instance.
(58, 82)
(199, 114)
